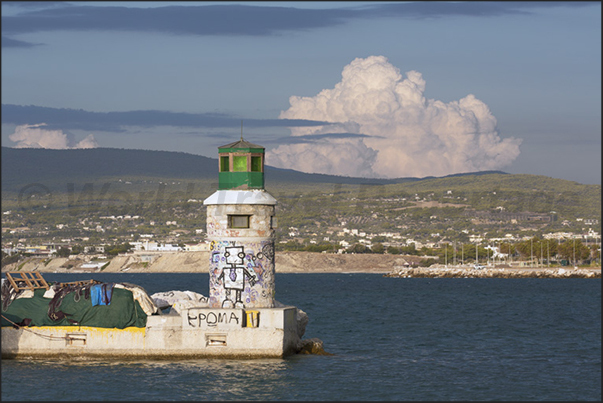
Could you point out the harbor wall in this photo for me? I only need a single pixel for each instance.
(469, 272)
(194, 333)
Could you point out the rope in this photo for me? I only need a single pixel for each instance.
(44, 336)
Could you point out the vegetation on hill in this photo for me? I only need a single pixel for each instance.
(114, 196)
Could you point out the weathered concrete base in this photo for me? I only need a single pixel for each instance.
(194, 333)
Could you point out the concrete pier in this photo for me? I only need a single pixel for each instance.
(194, 333)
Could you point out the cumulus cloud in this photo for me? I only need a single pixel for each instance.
(402, 134)
(36, 136)
(88, 142)
(338, 156)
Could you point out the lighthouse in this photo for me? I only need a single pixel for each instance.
(239, 319)
(240, 231)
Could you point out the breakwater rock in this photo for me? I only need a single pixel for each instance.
(312, 346)
(466, 272)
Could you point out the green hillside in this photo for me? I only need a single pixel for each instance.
(66, 193)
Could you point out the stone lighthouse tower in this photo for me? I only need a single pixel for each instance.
(240, 229)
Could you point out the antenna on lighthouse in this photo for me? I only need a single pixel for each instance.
(241, 129)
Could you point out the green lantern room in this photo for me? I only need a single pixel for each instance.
(241, 166)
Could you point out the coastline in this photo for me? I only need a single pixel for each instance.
(293, 262)
(496, 272)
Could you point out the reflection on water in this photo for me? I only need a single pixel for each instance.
(208, 363)
(195, 379)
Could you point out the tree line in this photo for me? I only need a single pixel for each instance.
(535, 249)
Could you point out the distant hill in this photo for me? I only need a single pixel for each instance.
(97, 182)
(22, 166)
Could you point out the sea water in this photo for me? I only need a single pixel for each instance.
(391, 339)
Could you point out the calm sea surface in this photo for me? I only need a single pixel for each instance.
(393, 339)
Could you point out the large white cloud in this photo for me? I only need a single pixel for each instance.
(36, 136)
(338, 157)
(88, 142)
(405, 135)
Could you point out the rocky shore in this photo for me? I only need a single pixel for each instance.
(198, 262)
(289, 262)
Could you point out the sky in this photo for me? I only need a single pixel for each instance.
(363, 89)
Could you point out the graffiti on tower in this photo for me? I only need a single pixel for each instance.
(234, 275)
(241, 275)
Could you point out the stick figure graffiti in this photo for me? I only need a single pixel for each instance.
(233, 277)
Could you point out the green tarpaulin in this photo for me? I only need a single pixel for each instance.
(123, 311)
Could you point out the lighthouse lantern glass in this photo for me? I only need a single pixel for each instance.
(224, 164)
(239, 163)
(256, 164)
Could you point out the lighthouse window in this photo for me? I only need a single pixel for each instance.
(238, 221)
(224, 164)
(256, 164)
(239, 163)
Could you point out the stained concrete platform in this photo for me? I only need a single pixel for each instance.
(193, 333)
